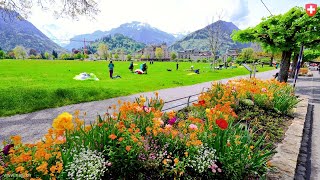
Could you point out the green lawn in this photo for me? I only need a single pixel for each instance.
(30, 85)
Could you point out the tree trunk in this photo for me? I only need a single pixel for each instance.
(284, 66)
(294, 64)
(271, 60)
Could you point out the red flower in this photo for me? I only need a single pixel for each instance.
(202, 102)
(223, 124)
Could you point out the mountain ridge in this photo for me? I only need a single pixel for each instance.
(16, 31)
(140, 32)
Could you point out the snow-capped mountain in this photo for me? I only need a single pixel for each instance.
(141, 32)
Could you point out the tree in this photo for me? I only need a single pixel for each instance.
(310, 54)
(246, 54)
(2, 54)
(20, 52)
(54, 54)
(46, 55)
(116, 56)
(173, 56)
(103, 51)
(285, 33)
(69, 8)
(33, 52)
(215, 36)
(159, 53)
(129, 57)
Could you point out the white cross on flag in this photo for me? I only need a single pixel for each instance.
(311, 9)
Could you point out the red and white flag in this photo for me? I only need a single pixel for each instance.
(311, 9)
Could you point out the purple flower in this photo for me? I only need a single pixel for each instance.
(172, 120)
(6, 149)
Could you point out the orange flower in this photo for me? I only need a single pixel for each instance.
(16, 139)
(128, 148)
(176, 160)
(120, 139)
(19, 169)
(59, 167)
(112, 136)
(43, 168)
(1, 170)
(53, 169)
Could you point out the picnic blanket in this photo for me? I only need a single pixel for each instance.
(86, 76)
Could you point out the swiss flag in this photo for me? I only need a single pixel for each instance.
(311, 9)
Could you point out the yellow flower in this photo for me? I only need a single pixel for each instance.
(207, 110)
(63, 122)
(142, 99)
(186, 154)
(251, 147)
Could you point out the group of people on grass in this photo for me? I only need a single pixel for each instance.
(143, 69)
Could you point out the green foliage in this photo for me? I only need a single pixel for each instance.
(284, 100)
(159, 53)
(129, 57)
(173, 55)
(118, 41)
(20, 52)
(229, 59)
(309, 54)
(247, 54)
(2, 54)
(116, 56)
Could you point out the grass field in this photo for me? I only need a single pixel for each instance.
(30, 85)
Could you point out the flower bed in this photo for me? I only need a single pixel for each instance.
(210, 141)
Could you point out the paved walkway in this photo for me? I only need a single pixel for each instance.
(33, 126)
(311, 87)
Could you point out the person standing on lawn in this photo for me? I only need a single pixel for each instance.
(131, 67)
(111, 66)
(177, 66)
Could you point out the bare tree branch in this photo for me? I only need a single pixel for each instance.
(60, 8)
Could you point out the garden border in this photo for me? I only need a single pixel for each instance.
(284, 162)
(303, 169)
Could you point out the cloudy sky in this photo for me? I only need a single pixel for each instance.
(173, 16)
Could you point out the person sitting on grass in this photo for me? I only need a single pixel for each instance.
(144, 68)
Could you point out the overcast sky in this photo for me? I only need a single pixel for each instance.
(173, 16)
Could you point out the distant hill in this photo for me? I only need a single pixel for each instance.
(140, 32)
(14, 31)
(199, 39)
(117, 42)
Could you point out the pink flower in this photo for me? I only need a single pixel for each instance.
(146, 109)
(264, 89)
(168, 126)
(172, 121)
(109, 164)
(193, 127)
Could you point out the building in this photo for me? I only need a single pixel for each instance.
(194, 54)
(234, 53)
(149, 52)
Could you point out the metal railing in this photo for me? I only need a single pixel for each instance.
(183, 104)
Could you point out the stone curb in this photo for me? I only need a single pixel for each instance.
(303, 169)
(285, 160)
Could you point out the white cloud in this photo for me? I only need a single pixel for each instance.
(168, 15)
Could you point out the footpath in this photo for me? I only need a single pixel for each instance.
(310, 86)
(33, 126)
